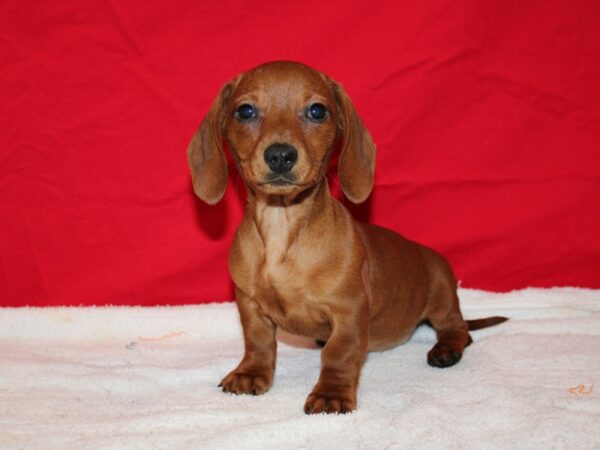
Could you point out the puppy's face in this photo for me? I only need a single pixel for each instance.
(281, 121)
(281, 126)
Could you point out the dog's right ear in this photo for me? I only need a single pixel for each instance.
(357, 157)
(205, 152)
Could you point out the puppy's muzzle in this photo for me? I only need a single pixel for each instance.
(280, 158)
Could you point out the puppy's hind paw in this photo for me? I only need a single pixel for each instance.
(442, 356)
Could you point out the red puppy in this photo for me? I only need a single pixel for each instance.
(299, 261)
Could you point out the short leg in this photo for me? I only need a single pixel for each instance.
(452, 333)
(341, 360)
(254, 374)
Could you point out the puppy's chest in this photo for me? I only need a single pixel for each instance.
(280, 281)
(275, 231)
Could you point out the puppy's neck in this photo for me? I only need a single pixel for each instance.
(282, 216)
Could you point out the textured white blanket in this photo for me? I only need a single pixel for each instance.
(120, 378)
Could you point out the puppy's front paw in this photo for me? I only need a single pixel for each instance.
(330, 403)
(247, 382)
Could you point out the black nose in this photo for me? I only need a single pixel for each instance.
(281, 157)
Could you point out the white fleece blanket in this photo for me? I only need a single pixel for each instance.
(121, 378)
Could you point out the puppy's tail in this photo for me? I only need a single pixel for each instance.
(484, 323)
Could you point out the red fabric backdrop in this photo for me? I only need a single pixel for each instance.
(486, 116)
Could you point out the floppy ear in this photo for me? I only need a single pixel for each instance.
(205, 152)
(356, 165)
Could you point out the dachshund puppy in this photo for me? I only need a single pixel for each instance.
(299, 261)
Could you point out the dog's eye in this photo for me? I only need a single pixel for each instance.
(246, 112)
(316, 112)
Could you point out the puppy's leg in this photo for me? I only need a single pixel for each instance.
(254, 374)
(341, 360)
(452, 331)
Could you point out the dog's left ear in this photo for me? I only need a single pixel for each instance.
(207, 160)
(356, 166)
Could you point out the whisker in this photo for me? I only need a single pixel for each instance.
(235, 188)
(335, 182)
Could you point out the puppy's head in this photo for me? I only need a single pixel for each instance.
(281, 121)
